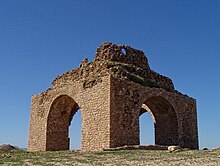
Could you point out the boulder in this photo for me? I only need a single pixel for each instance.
(173, 148)
(218, 148)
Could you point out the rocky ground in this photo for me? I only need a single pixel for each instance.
(113, 158)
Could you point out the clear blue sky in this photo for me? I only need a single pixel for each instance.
(40, 39)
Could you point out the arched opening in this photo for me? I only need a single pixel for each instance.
(164, 119)
(75, 131)
(59, 119)
(146, 129)
(123, 51)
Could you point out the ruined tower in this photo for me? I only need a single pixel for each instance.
(112, 92)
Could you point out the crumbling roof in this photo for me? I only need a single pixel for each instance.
(119, 61)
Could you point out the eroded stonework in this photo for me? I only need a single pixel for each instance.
(111, 93)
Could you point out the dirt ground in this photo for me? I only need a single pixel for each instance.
(112, 158)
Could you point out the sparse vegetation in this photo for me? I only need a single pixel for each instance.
(110, 158)
(123, 70)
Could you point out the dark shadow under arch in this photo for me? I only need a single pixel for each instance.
(59, 119)
(164, 118)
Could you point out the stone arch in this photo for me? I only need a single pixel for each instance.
(59, 119)
(165, 120)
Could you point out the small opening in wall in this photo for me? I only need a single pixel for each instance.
(123, 51)
(75, 131)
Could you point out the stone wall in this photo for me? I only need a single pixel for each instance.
(174, 113)
(51, 115)
(112, 92)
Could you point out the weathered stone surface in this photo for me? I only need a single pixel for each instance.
(112, 92)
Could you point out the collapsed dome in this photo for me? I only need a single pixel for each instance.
(122, 53)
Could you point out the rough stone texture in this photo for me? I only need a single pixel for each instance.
(112, 92)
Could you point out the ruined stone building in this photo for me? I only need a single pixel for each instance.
(112, 92)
